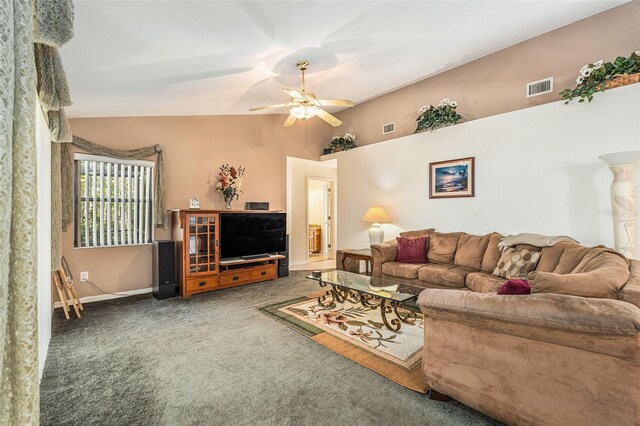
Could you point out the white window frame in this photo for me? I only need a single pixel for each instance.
(134, 233)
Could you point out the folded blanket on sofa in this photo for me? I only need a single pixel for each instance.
(536, 240)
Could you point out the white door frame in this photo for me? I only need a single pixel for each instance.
(331, 225)
(294, 206)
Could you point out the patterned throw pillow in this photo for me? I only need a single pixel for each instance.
(412, 250)
(516, 263)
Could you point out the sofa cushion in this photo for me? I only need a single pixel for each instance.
(561, 258)
(442, 247)
(444, 275)
(492, 254)
(412, 250)
(417, 234)
(550, 257)
(602, 273)
(470, 250)
(403, 270)
(571, 257)
(481, 282)
(516, 263)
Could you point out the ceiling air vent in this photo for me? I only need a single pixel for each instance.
(388, 128)
(540, 87)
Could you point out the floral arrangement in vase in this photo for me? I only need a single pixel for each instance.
(432, 118)
(600, 75)
(343, 143)
(230, 183)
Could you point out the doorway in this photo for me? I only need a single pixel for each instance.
(319, 219)
(299, 172)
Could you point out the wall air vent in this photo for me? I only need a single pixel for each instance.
(540, 87)
(388, 128)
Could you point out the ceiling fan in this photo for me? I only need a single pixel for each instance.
(305, 105)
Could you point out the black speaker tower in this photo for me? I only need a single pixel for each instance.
(165, 283)
(283, 264)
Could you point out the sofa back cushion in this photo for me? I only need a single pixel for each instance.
(601, 273)
(550, 257)
(442, 247)
(492, 253)
(417, 234)
(562, 258)
(470, 250)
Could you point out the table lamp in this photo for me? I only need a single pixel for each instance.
(376, 215)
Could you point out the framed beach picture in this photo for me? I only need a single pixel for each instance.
(452, 178)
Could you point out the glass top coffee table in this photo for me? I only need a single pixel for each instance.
(373, 293)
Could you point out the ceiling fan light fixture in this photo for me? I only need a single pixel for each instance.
(306, 105)
(303, 112)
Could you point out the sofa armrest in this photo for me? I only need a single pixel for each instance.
(555, 311)
(631, 290)
(382, 253)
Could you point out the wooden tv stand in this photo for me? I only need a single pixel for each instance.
(200, 269)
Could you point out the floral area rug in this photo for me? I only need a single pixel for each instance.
(358, 333)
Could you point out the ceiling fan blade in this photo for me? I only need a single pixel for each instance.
(294, 94)
(328, 117)
(270, 106)
(290, 120)
(335, 102)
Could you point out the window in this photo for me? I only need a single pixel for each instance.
(113, 202)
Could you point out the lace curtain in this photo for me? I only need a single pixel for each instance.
(53, 91)
(53, 27)
(52, 22)
(19, 395)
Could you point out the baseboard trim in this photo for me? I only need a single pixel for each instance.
(101, 297)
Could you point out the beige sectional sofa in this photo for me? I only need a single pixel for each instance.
(549, 358)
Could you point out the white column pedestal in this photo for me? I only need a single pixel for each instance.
(623, 200)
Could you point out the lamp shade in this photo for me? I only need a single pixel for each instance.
(376, 214)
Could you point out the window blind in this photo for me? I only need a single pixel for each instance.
(114, 201)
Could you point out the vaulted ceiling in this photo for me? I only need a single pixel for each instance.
(131, 58)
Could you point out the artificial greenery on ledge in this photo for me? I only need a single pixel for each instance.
(432, 118)
(600, 75)
(343, 143)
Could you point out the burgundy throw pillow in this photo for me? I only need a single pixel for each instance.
(515, 287)
(412, 250)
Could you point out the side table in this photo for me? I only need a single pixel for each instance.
(342, 257)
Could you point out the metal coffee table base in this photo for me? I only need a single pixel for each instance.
(393, 313)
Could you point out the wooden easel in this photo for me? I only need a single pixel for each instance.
(63, 280)
(55, 276)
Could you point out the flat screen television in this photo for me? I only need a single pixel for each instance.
(250, 234)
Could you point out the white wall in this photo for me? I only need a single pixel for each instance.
(316, 202)
(298, 170)
(43, 152)
(537, 170)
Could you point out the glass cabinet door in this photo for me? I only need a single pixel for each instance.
(202, 236)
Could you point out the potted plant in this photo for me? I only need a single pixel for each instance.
(600, 75)
(343, 143)
(230, 183)
(432, 118)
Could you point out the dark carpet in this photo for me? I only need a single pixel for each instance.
(214, 360)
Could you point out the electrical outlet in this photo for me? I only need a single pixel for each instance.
(84, 276)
